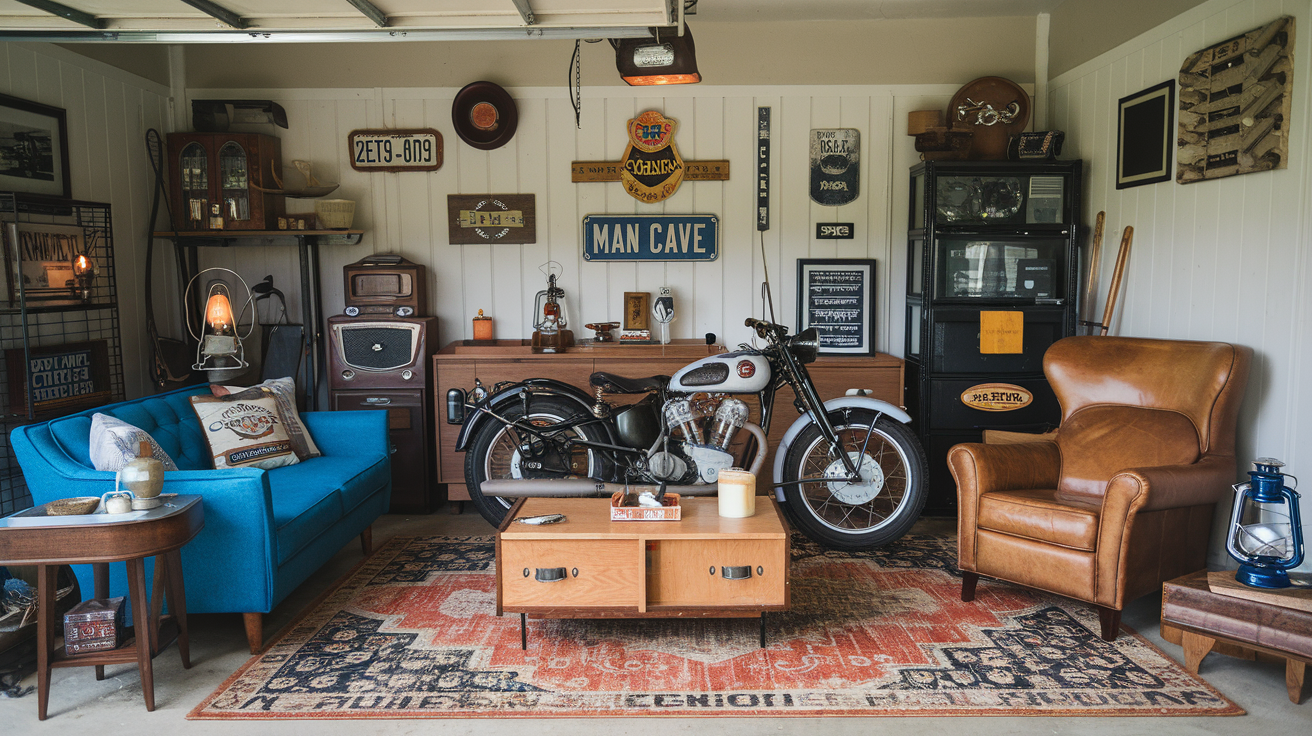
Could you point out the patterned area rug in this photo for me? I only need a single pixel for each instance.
(412, 633)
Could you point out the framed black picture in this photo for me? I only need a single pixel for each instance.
(1145, 136)
(837, 297)
(33, 148)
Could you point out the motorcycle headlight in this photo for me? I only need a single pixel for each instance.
(805, 345)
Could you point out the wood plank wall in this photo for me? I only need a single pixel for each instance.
(1223, 260)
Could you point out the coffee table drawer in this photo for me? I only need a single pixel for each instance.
(607, 573)
(717, 572)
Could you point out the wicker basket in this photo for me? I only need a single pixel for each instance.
(72, 506)
(335, 214)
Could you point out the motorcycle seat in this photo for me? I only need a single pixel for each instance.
(611, 383)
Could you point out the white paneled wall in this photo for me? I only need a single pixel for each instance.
(406, 212)
(108, 112)
(1219, 260)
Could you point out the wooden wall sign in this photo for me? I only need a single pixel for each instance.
(651, 168)
(491, 218)
(416, 149)
(996, 397)
(65, 378)
(1234, 105)
(835, 166)
(651, 238)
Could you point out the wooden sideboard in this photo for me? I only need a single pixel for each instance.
(457, 364)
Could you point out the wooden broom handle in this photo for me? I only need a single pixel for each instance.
(1095, 262)
(1114, 291)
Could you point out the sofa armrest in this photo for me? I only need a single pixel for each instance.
(979, 469)
(350, 432)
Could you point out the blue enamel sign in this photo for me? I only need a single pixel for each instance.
(651, 237)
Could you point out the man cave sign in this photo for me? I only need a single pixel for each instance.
(835, 165)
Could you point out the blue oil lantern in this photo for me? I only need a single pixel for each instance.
(1266, 535)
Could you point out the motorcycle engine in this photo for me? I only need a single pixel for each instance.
(706, 427)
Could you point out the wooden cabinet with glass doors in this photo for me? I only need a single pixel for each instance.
(216, 180)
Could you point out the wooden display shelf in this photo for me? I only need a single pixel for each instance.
(125, 653)
(251, 233)
(457, 365)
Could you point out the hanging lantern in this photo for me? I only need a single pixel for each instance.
(219, 351)
(1266, 535)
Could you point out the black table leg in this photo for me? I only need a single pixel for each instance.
(523, 631)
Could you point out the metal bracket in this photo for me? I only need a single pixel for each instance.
(525, 12)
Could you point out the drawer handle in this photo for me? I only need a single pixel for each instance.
(738, 572)
(376, 401)
(550, 574)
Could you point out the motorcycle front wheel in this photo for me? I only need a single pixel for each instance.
(495, 452)
(874, 511)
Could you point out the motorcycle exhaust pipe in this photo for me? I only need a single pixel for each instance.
(578, 488)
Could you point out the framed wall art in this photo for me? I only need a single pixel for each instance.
(1145, 135)
(837, 297)
(39, 259)
(33, 148)
(65, 378)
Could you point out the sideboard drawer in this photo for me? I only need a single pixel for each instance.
(597, 573)
(718, 572)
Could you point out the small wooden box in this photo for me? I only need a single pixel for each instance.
(93, 626)
(670, 511)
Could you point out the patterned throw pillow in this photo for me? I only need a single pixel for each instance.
(114, 443)
(245, 430)
(284, 389)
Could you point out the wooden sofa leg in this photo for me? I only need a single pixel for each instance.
(1110, 619)
(968, 581)
(367, 540)
(254, 630)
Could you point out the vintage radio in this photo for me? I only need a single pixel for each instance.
(385, 284)
(385, 364)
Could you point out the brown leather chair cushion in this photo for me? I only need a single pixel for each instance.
(1042, 516)
(1098, 442)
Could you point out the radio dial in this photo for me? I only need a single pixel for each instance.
(352, 311)
(407, 375)
(348, 375)
(405, 311)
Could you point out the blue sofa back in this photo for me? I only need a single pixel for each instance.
(166, 417)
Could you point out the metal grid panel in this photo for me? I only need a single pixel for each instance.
(27, 324)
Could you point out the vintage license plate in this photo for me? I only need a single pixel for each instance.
(395, 150)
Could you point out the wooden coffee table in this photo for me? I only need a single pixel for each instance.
(703, 566)
(30, 538)
(1204, 621)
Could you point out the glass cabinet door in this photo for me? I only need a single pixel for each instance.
(193, 172)
(977, 267)
(1000, 200)
(235, 181)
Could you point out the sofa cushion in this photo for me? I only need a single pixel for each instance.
(355, 478)
(1098, 442)
(303, 506)
(115, 443)
(1040, 515)
(168, 419)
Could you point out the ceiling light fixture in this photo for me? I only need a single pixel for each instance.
(659, 59)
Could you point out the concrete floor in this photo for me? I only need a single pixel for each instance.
(80, 704)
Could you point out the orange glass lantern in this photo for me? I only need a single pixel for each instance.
(219, 351)
(84, 272)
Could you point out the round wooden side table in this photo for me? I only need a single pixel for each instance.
(32, 538)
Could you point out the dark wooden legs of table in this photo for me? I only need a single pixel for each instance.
(146, 622)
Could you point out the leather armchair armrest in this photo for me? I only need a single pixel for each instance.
(980, 469)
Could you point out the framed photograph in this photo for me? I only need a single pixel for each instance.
(39, 258)
(65, 378)
(1145, 136)
(637, 310)
(33, 148)
(837, 297)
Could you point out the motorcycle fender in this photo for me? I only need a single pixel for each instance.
(511, 393)
(862, 402)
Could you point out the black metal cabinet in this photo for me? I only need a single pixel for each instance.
(986, 236)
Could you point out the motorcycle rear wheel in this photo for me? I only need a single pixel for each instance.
(856, 515)
(493, 453)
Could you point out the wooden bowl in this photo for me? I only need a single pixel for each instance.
(72, 506)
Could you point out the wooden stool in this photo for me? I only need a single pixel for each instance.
(1263, 622)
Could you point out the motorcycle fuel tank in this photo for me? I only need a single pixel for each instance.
(730, 373)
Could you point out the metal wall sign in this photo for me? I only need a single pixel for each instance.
(762, 168)
(651, 237)
(418, 149)
(651, 168)
(491, 218)
(834, 230)
(835, 165)
(997, 397)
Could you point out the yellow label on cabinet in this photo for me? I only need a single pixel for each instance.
(1001, 332)
(996, 397)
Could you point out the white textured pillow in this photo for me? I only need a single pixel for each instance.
(114, 443)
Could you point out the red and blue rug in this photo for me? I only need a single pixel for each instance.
(412, 633)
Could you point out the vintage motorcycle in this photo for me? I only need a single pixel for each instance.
(849, 472)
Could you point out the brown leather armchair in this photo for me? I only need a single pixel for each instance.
(1122, 499)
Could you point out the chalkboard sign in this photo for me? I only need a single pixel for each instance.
(837, 297)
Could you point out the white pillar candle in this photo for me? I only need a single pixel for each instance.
(737, 493)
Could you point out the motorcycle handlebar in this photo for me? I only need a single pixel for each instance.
(765, 330)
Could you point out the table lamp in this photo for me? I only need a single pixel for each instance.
(219, 351)
(1266, 535)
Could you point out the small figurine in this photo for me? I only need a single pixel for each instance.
(603, 330)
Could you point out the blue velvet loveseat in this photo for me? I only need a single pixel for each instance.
(265, 531)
